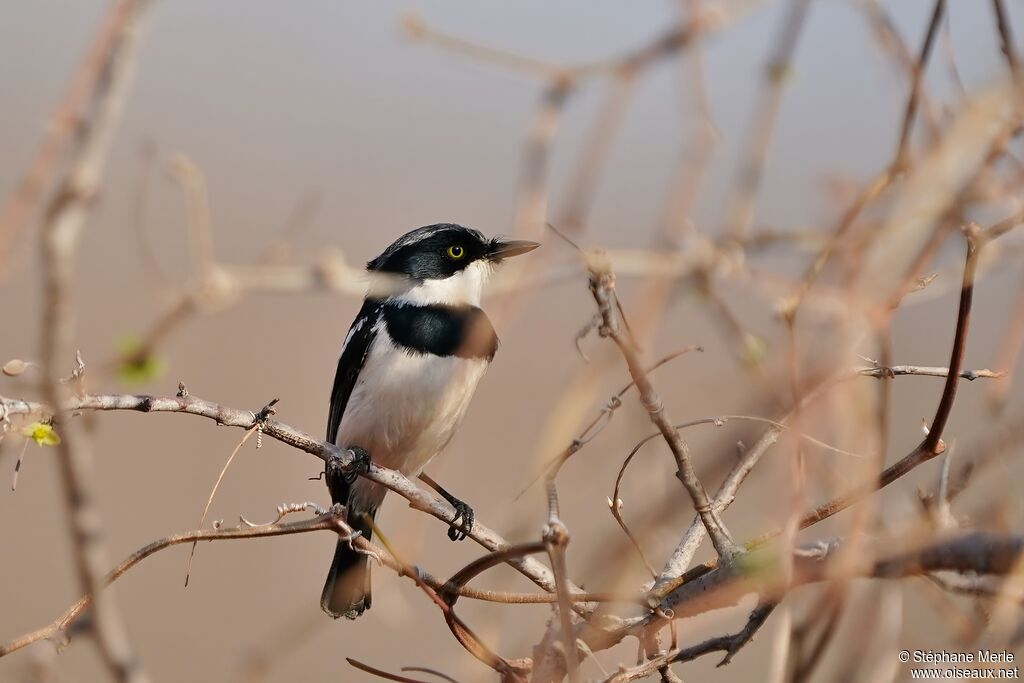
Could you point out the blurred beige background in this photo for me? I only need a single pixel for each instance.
(277, 102)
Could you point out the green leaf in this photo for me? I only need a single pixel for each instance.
(753, 350)
(136, 366)
(755, 564)
(42, 434)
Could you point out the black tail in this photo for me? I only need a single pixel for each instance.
(347, 590)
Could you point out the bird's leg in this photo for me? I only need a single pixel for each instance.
(457, 531)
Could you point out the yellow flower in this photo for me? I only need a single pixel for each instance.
(42, 434)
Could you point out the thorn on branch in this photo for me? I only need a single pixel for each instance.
(265, 412)
(77, 371)
(923, 282)
(555, 533)
(584, 333)
(741, 449)
(260, 420)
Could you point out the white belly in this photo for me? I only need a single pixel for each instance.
(404, 410)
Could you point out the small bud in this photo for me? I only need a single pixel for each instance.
(753, 350)
(412, 25)
(923, 282)
(15, 367)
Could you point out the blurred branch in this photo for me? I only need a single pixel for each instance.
(1009, 350)
(932, 445)
(882, 180)
(89, 86)
(106, 77)
(900, 160)
(998, 439)
(1005, 35)
(972, 552)
(762, 122)
(889, 37)
(634, 60)
(969, 553)
(224, 284)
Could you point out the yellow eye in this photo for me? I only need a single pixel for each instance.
(455, 252)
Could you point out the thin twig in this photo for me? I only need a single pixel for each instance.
(926, 371)
(556, 538)
(462, 632)
(213, 492)
(602, 285)
(379, 673)
(730, 645)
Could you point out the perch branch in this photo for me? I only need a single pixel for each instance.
(232, 417)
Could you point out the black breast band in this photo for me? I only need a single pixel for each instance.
(462, 331)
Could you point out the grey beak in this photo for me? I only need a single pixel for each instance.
(501, 249)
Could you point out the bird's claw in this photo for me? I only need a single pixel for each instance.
(360, 464)
(458, 531)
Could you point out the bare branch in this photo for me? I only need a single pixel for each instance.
(894, 370)
(602, 287)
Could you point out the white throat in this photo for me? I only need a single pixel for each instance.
(463, 288)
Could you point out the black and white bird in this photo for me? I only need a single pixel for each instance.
(408, 369)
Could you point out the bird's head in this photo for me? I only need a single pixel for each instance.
(441, 264)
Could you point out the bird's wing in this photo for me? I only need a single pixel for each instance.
(353, 355)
